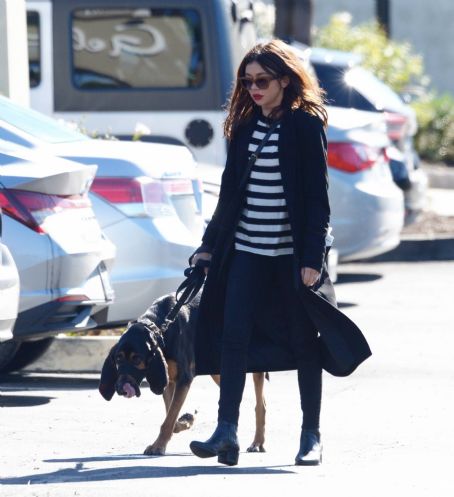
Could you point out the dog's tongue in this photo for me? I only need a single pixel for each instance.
(129, 390)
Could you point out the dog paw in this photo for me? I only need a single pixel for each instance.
(155, 450)
(256, 447)
(184, 422)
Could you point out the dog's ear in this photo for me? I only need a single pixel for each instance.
(157, 373)
(109, 375)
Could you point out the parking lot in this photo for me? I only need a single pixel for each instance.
(98, 216)
(387, 429)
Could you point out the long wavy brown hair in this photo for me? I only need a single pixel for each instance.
(278, 59)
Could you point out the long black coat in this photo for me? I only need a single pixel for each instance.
(302, 158)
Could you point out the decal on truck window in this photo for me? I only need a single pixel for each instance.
(137, 48)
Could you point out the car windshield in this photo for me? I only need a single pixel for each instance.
(36, 124)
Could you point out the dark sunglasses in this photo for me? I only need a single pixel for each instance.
(261, 83)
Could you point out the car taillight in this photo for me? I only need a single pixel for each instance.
(135, 197)
(32, 208)
(396, 125)
(353, 157)
(73, 298)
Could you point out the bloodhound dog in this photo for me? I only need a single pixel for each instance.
(166, 360)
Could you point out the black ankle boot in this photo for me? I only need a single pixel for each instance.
(310, 453)
(223, 443)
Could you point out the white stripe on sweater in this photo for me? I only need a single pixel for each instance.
(271, 149)
(264, 239)
(255, 250)
(275, 202)
(260, 136)
(267, 162)
(269, 176)
(265, 188)
(264, 227)
(264, 215)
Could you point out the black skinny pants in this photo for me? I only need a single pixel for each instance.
(250, 276)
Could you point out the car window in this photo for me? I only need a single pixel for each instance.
(137, 48)
(338, 92)
(374, 90)
(36, 124)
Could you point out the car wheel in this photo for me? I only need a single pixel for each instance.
(27, 353)
(8, 350)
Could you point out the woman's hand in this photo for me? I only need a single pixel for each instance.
(309, 276)
(204, 256)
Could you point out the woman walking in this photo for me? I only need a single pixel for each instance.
(267, 242)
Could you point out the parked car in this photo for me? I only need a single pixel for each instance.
(62, 256)
(9, 290)
(146, 196)
(349, 85)
(367, 206)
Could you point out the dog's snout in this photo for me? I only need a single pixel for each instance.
(127, 386)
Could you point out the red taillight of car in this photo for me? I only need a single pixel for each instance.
(135, 197)
(73, 298)
(396, 125)
(353, 157)
(32, 208)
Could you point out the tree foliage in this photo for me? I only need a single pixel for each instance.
(393, 62)
(396, 64)
(435, 137)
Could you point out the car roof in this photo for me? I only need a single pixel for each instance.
(328, 56)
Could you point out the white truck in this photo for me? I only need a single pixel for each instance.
(160, 68)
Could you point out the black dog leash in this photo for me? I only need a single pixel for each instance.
(189, 288)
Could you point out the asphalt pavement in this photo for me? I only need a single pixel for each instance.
(387, 429)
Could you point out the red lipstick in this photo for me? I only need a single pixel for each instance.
(256, 96)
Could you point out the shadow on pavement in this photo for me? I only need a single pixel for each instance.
(23, 400)
(80, 474)
(357, 277)
(117, 457)
(36, 381)
(342, 305)
(433, 248)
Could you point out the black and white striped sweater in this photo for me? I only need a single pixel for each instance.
(264, 226)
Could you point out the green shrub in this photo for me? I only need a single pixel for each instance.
(435, 138)
(391, 61)
(264, 18)
(396, 64)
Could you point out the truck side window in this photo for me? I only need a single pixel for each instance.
(34, 48)
(142, 48)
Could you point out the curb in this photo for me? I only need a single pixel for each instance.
(74, 355)
(439, 176)
(419, 249)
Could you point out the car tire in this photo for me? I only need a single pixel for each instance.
(8, 351)
(27, 353)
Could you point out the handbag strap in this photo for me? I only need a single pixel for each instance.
(254, 156)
